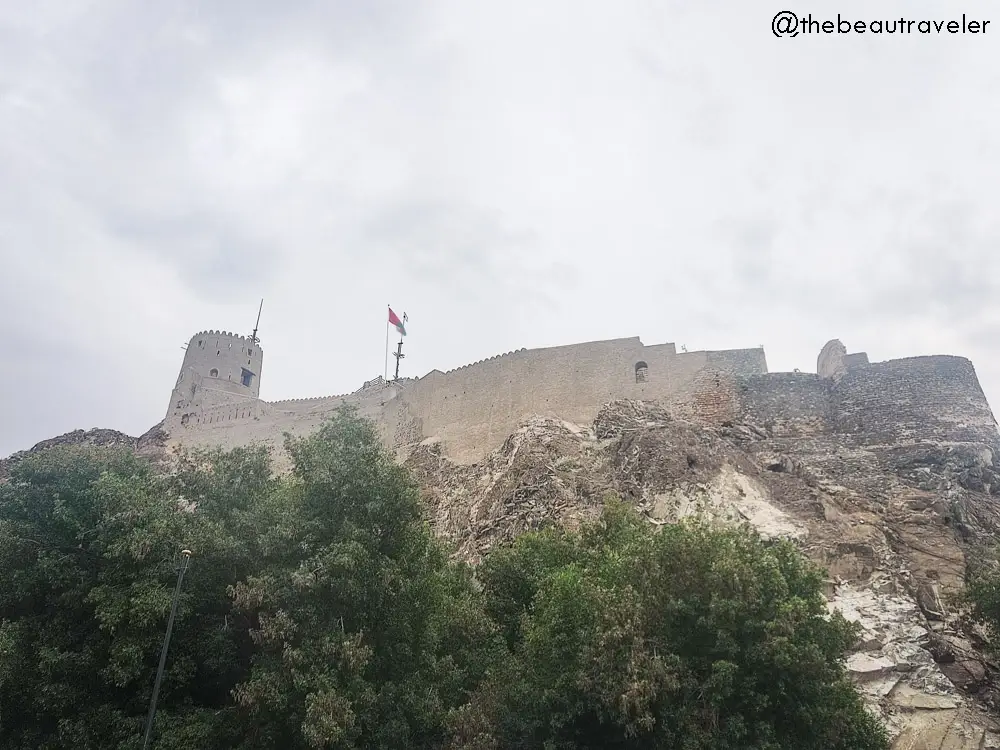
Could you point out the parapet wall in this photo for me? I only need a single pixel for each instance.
(224, 413)
(474, 408)
(918, 398)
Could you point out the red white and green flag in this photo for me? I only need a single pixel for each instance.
(394, 319)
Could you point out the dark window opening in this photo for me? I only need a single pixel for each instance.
(640, 372)
(247, 378)
(213, 373)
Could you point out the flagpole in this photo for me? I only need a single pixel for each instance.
(385, 371)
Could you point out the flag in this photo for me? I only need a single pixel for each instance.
(397, 322)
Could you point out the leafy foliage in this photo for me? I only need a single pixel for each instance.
(89, 539)
(369, 635)
(320, 612)
(981, 596)
(686, 638)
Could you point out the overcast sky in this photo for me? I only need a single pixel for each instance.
(511, 174)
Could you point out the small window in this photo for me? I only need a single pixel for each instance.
(249, 352)
(213, 373)
(640, 372)
(247, 378)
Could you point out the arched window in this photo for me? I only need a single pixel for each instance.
(640, 372)
(213, 373)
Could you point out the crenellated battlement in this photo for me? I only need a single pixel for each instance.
(227, 334)
(482, 361)
(470, 409)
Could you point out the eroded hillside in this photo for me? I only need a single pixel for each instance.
(895, 526)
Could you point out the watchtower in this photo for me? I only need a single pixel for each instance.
(219, 368)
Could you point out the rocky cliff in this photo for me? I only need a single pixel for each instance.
(895, 525)
(152, 445)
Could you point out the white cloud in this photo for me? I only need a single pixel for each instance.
(510, 174)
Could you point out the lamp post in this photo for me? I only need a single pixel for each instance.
(186, 554)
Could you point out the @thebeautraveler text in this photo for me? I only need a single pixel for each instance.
(787, 23)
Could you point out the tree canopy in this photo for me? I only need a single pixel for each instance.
(319, 611)
(682, 637)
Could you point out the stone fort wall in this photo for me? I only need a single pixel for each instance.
(931, 398)
(471, 410)
(936, 397)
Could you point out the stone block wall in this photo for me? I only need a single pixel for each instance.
(711, 398)
(858, 359)
(224, 413)
(787, 403)
(473, 409)
(918, 398)
(737, 361)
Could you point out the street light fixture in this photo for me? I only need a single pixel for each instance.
(186, 554)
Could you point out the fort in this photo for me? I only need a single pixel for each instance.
(471, 410)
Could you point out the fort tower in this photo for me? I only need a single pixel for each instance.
(219, 369)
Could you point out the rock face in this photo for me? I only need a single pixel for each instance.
(895, 526)
(150, 444)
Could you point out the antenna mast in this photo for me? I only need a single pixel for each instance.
(398, 354)
(253, 336)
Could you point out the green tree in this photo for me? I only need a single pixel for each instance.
(88, 539)
(366, 634)
(682, 638)
(318, 611)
